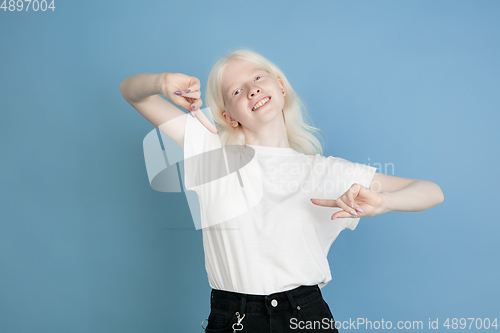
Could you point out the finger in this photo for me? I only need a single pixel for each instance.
(196, 103)
(324, 202)
(341, 214)
(346, 210)
(194, 85)
(192, 94)
(352, 194)
(349, 197)
(183, 102)
(204, 121)
(192, 106)
(349, 202)
(341, 202)
(358, 209)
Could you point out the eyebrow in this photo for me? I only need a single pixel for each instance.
(256, 69)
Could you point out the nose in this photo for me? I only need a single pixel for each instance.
(254, 91)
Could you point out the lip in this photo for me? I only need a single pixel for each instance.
(259, 101)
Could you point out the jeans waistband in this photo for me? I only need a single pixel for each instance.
(272, 303)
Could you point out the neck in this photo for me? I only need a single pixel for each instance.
(270, 135)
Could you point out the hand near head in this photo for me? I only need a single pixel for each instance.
(184, 91)
(357, 201)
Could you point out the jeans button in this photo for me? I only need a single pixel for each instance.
(274, 303)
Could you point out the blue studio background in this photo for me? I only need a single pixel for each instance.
(86, 245)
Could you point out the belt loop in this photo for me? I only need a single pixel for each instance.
(292, 302)
(243, 304)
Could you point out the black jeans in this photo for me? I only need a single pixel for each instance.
(302, 309)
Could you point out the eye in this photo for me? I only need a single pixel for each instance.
(236, 92)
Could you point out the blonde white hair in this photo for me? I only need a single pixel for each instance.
(299, 133)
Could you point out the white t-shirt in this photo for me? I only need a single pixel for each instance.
(261, 232)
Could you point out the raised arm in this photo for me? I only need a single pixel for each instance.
(143, 90)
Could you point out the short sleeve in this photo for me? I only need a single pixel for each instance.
(350, 173)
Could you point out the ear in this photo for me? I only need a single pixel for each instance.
(230, 121)
(282, 85)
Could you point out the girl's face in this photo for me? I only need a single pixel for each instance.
(244, 86)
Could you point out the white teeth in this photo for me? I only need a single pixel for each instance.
(261, 103)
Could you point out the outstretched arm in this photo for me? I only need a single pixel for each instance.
(386, 194)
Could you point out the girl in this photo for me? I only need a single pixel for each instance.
(266, 233)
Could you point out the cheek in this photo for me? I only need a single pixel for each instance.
(234, 108)
(239, 105)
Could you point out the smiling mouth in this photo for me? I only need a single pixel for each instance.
(268, 99)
